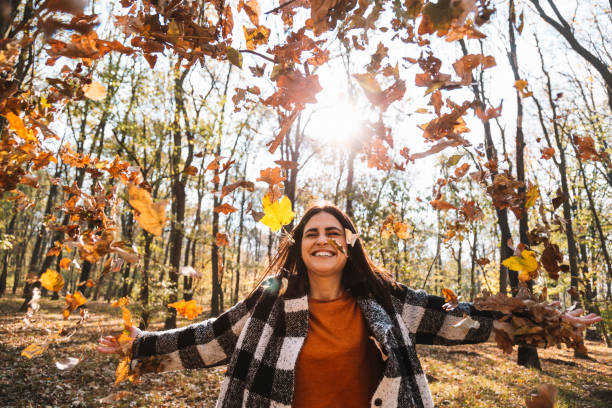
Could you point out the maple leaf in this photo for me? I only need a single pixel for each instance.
(189, 309)
(277, 213)
(526, 265)
(272, 176)
(52, 281)
(151, 216)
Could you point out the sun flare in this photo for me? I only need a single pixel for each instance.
(335, 121)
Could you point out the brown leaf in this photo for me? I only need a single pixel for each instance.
(225, 209)
(221, 239)
(272, 176)
(441, 204)
(228, 189)
(544, 399)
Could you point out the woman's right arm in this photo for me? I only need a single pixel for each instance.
(200, 345)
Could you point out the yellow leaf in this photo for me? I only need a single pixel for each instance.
(277, 213)
(188, 309)
(95, 91)
(526, 265)
(127, 316)
(152, 216)
(123, 370)
(34, 350)
(532, 196)
(17, 125)
(52, 281)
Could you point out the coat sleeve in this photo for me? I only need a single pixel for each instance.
(200, 345)
(428, 323)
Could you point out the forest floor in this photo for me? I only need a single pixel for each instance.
(462, 376)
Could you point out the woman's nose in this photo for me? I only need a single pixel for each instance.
(321, 239)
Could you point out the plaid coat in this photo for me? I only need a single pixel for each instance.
(260, 339)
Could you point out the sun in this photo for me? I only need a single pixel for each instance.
(334, 120)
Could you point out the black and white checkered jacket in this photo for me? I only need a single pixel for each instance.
(260, 339)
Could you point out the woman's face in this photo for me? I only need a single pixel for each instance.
(321, 257)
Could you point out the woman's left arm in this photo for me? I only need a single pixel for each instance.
(429, 323)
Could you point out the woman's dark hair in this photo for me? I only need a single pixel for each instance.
(360, 275)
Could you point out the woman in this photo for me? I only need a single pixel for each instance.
(326, 330)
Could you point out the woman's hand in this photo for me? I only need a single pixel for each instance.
(579, 322)
(110, 345)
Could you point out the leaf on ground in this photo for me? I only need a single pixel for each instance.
(545, 398)
(52, 281)
(151, 216)
(189, 309)
(67, 363)
(115, 396)
(34, 350)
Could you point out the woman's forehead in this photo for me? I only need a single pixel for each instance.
(322, 220)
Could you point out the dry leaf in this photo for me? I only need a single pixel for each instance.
(188, 309)
(95, 91)
(151, 216)
(52, 281)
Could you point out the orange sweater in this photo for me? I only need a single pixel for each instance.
(338, 366)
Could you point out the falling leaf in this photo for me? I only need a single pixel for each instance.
(521, 86)
(34, 350)
(466, 324)
(333, 242)
(191, 170)
(526, 265)
(151, 216)
(67, 363)
(532, 195)
(351, 237)
(248, 185)
(272, 176)
(124, 301)
(234, 56)
(221, 239)
(188, 309)
(401, 230)
(52, 281)
(548, 153)
(544, 399)
(65, 263)
(225, 208)
(277, 213)
(95, 91)
(452, 301)
(123, 370)
(441, 204)
(73, 302)
(189, 271)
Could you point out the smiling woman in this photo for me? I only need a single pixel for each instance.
(328, 328)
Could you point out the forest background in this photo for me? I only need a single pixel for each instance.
(144, 142)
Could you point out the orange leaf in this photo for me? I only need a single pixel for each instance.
(188, 309)
(272, 176)
(225, 209)
(221, 239)
(65, 263)
(52, 281)
(441, 204)
(151, 216)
